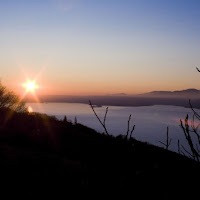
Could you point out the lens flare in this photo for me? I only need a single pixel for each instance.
(30, 86)
(30, 109)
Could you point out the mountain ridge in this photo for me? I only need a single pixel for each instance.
(176, 98)
(178, 93)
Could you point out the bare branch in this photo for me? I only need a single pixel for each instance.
(132, 131)
(102, 123)
(195, 113)
(168, 141)
(198, 137)
(128, 126)
(185, 129)
(192, 156)
(197, 148)
(194, 148)
(162, 143)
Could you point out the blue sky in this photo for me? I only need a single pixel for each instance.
(100, 47)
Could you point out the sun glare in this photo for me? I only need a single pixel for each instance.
(30, 110)
(30, 86)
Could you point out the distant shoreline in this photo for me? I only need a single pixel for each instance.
(174, 98)
(125, 101)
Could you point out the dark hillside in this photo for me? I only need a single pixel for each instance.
(39, 154)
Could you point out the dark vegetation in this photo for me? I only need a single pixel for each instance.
(42, 155)
(191, 131)
(48, 155)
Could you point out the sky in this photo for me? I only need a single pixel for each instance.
(97, 47)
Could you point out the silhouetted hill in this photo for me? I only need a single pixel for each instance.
(176, 98)
(42, 155)
(188, 93)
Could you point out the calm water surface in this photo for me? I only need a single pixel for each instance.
(150, 121)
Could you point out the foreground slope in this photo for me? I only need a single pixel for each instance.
(39, 154)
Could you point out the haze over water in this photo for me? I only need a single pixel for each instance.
(151, 121)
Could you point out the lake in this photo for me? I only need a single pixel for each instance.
(150, 121)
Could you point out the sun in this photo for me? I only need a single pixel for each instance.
(30, 86)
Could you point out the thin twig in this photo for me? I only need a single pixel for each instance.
(196, 114)
(189, 139)
(132, 131)
(197, 148)
(162, 143)
(102, 123)
(188, 152)
(183, 153)
(195, 128)
(128, 126)
(168, 142)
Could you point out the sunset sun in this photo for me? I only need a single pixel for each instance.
(30, 86)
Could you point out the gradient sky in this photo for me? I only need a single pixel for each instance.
(83, 47)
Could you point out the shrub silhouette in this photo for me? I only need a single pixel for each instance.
(191, 132)
(192, 136)
(8, 100)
